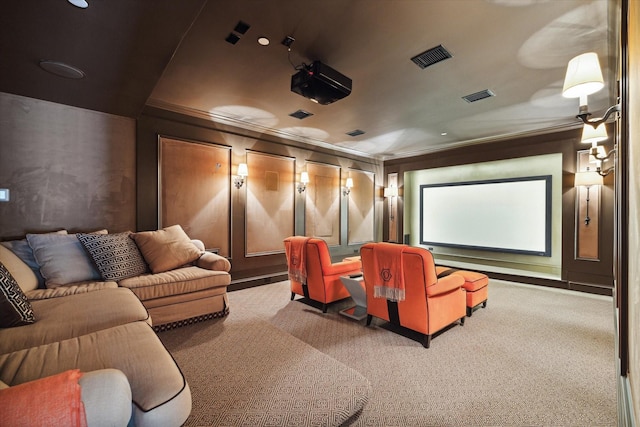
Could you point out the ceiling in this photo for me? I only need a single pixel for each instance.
(173, 55)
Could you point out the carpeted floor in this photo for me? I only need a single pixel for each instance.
(534, 357)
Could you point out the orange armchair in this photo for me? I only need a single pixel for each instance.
(430, 304)
(322, 276)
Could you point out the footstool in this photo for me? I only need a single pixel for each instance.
(476, 284)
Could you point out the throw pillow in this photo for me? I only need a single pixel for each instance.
(15, 308)
(62, 259)
(116, 255)
(22, 249)
(166, 249)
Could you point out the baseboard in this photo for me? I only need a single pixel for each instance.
(625, 403)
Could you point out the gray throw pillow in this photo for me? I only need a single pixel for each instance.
(116, 255)
(62, 259)
(15, 308)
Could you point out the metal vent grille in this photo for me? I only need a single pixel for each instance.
(355, 132)
(301, 114)
(431, 56)
(483, 94)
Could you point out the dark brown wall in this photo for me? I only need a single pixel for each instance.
(575, 272)
(155, 122)
(65, 167)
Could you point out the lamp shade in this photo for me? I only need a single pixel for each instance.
(593, 136)
(349, 183)
(587, 178)
(583, 77)
(390, 191)
(242, 170)
(304, 177)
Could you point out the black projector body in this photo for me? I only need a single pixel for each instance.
(320, 83)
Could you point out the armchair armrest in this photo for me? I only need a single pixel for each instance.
(342, 267)
(445, 284)
(214, 262)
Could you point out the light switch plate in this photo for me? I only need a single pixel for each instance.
(4, 194)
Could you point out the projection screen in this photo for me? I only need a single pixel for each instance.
(503, 215)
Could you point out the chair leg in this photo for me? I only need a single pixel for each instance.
(484, 304)
(369, 318)
(469, 311)
(427, 341)
(324, 308)
(293, 295)
(462, 321)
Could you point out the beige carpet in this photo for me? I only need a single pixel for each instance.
(533, 357)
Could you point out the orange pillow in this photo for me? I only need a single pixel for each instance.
(49, 401)
(166, 249)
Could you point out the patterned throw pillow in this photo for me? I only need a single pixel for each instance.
(15, 308)
(116, 255)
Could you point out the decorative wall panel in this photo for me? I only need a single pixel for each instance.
(270, 202)
(195, 190)
(361, 207)
(322, 208)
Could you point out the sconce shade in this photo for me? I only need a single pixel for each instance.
(583, 77)
(587, 179)
(390, 191)
(242, 170)
(593, 136)
(349, 183)
(601, 152)
(304, 178)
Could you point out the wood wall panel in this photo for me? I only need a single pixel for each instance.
(361, 223)
(195, 190)
(322, 210)
(270, 202)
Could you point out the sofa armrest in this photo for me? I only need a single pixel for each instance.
(342, 267)
(106, 395)
(63, 291)
(214, 262)
(445, 284)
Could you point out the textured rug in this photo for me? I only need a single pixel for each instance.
(250, 373)
(534, 357)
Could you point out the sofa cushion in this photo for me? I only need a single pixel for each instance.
(15, 309)
(159, 391)
(116, 255)
(175, 282)
(20, 271)
(166, 249)
(62, 259)
(72, 289)
(72, 316)
(23, 251)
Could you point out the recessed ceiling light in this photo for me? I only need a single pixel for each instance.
(82, 4)
(263, 41)
(443, 133)
(62, 69)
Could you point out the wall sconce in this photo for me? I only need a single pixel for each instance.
(304, 180)
(242, 173)
(390, 193)
(583, 78)
(587, 179)
(348, 185)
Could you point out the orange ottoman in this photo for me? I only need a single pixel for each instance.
(476, 285)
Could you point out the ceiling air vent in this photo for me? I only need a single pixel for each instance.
(301, 114)
(478, 96)
(356, 132)
(431, 56)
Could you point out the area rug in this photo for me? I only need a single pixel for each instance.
(246, 372)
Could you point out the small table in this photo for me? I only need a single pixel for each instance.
(355, 286)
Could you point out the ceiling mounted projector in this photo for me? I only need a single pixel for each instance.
(320, 83)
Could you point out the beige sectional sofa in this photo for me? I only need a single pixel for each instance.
(98, 324)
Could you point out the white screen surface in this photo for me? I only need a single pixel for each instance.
(511, 215)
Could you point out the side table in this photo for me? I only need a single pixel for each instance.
(355, 286)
